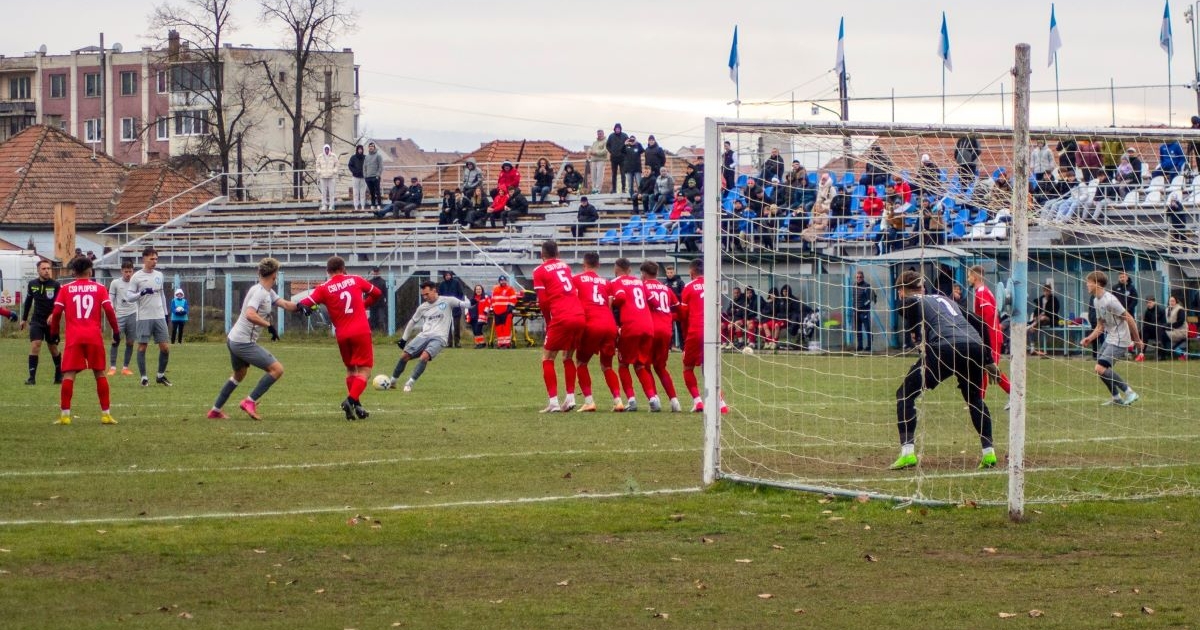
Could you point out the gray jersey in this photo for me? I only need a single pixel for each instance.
(942, 321)
(261, 300)
(435, 319)
(118, 290)
(151, 306)
(1111, 313)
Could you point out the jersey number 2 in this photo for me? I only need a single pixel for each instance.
(347, 308)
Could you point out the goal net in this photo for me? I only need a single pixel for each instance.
(818, 223)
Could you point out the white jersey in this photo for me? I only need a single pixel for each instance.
(1111, 313)
(151, 306)
(262, 300)
(435, 318)
(118, 290)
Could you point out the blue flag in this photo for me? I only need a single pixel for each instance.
(840, 65)
(1165, 39)
(943, 50)
(734, 61)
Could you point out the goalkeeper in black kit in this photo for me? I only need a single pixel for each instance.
(953, 347)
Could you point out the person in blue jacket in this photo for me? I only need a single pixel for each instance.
(179, 316)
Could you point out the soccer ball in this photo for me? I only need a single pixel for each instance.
(382, 381)
(748, 350)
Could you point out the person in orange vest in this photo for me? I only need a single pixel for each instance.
(477, 316)
(504, 300)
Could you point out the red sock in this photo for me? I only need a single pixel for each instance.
(626, 380)
(646, 379)
(357, 385)
(568, 377)
(65, 392)
(610, 378)
(550, 377)
(689, 380)
(350, 386)
(664, 377)
(101, 392)
(585, 379)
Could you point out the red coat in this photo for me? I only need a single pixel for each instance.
(872, 206)
(509, 179)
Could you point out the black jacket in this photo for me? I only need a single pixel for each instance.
(572, 179)
(615, 145)
(415, 194)
(543, 178)
(587, 213)
(39, 299)
(518, 204)
(631, 157)
(656, 158)
(356, 164)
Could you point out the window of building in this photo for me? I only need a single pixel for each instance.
(58, 86)
(129, 83)
(92, 130)
(19, 89)
(129, 129)
(193, 77)
(191, 123)
(91, 84)
(162, 128)
(160, 80)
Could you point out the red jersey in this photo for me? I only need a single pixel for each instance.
(556, 293)
(81, 302)
(593, 296)
(691, 304)
(662, 303)
(985, 308)
(629, 297)
(343, 296)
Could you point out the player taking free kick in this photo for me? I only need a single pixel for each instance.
(81, 302)
(559, 303)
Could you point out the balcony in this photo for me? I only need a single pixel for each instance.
(23, 107)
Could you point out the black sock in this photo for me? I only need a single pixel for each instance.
(57, 358)
(163, 356)
(33, 362)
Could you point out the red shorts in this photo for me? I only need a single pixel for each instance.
(634, 349)
(83, 355)
(357, 351)
(660, 350)
(601, 341)
(564, 334)
(693, 350)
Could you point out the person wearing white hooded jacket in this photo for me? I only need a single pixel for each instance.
(327, 172)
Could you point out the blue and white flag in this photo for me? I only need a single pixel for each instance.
(943, 49)
(1055, 38)
(1165, 39)
(840, 65)
(734, 61)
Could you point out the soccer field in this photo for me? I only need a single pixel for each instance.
(458, 506)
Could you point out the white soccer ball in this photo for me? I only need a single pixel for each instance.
(382, 381)
(748, 350)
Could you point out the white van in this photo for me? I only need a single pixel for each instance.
(17, 268)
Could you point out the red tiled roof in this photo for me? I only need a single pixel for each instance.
(150, 184)
(492, 154)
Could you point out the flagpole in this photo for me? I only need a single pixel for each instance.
(1169, 105)
(1057, 101)
(943, 93)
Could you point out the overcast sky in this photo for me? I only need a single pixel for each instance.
(454, 73)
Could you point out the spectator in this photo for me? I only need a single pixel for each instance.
(451, 286)
(933, 223)
(693, 182)
(631, 164)
(474, 211)
(1088, 160)
(396, 197)
(543, 181)
(358, 185)
(372, 171)
(689, 225)
(679, 207)
(755, 195)
(872, 205)
(839, 209)
(477, 315)
(1177, 330)
(1067, 150)
(928, 181)
(451, 208)
(766, 226)
(1045, 315)
(510, 177)
(733, 307)
(1135, 163)
(597, 156)
(586, 217)
(819, 224)
(1106, 195)
(728, 165)
(498, 208)
(1111, 151)
(1193, 145)
(472, 179)
(518, 207)
(643, 195)
(572, 181)
(1000, 199)
(902, 190)
(179, 316)
(1041, 160)
(615, 145)
(699, 166)
(1177, 218)
(656, 158)
(892, 236)
(1124, 180)
(1064, 197)
(862, 305)
(878, 167)
(664, 189)
(413, 198)
(801, 194)
(327, 172)
(1154, 328)
(773, 166)
(675, 283)
(966, 156)
(1171, 160)
(377, 312)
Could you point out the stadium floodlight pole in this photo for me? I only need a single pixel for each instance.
(711, 253)
(1020, 285)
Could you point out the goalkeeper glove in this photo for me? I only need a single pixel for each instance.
(305, 310)
(116, 338)
(401, 342)
(147, 291)
(274, 333)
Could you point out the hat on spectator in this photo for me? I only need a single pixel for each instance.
(1195, 120)
(583, 198)
(924, 157)
(795, 161)
(471, 161)
(506, 163)
(502, 279)
(178, 292)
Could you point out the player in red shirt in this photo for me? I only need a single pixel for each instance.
(635, 336)
(348, 297)
(81, 303)
(662, 311)
(691, 310)
(985, 307)
(599, 334)
(559, 303)
(12, 317)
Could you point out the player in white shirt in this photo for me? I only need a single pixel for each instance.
(1121, 332)
(242, 342)
(126, 309)
(435, 314)
(146, 289)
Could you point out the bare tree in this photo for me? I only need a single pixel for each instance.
(196, 61)
(311, 26)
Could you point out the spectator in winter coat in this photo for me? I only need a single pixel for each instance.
(327, 173)
(510, 177)
(615, 144)
(801, 194)
(656, 158)
(414, 197)
(1041, 160)
(819, 224)
(877, 168)
(631, 163)
(643, 197)
(773, 166)
(966, 156)
(728, 166)
(451, 286)
(372, 171)
(693, 183)
(396, 198)
(664, 190)
(518, 207)
(572, 181)
(928, 180)
(472, 179)
(179, 316)
(498, 208)
(451, 209)
(1171, 160)
(679, 208)
(597, 156)
(1089, 160)
(872, 204)
(586, 217)
(543, 181)
(358, 186)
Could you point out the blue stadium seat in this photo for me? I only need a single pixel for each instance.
(848, 180)
(741, 182)
(611, 237)
(812, 179)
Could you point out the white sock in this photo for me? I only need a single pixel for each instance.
(587, 400)
(569, 399)
(989, 451)
(553, 402)
(675, 401)
(632, 400)
(65, 412)
(907, 449)
(697, 400)
(654, 399)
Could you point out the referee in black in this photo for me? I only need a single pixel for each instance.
(39, 302)
(953, 347)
